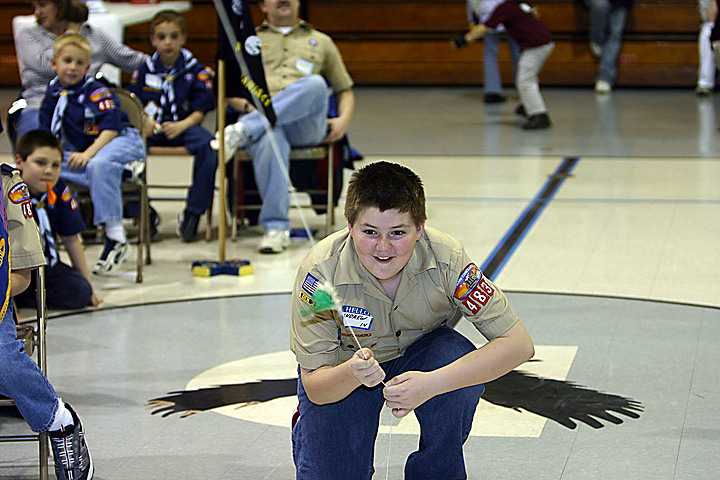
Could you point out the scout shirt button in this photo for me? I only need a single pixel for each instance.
(397, 334)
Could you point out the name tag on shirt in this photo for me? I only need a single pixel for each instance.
(304, 66)
(153, 81)
(356, 317)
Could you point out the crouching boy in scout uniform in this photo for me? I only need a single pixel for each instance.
(176, 90)
(20, 377)
(401, 286)
(39, 157)
(97, 138)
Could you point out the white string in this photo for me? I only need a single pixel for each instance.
(387, 464)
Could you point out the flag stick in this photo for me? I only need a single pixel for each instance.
(222, 219)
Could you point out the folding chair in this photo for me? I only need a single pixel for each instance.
(131, 190)
(320, 153)
(164, 151)
(33, 334)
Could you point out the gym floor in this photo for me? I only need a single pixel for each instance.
(603, 230)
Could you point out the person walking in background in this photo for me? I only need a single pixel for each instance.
(478, 12)
(607, 22)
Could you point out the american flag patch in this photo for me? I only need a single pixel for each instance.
(310, 284)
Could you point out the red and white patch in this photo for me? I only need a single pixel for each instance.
(106, 104)
(26, 208)
(479, 296)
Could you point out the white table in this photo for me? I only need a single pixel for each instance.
(112, 18)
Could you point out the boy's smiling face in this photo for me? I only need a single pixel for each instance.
(71, 64)
(385, 241)
(40, 167)
(167, 40)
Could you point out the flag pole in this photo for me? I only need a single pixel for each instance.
(222, 219)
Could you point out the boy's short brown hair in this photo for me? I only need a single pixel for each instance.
(386, 186)
(72, 39)
(35, 139)
(167, 16)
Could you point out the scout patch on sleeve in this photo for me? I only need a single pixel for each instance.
(356, 317)
(308, 288)
(99, 94)
(473, 289)
(19, 193)
(467, 281)
(204, 77)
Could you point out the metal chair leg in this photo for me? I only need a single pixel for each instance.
(41, 308)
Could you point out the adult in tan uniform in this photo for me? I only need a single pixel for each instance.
(300, 62)
(20, 377)
(401, 287)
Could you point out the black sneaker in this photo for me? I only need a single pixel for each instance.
(70, 452)
(537, 122)
(187, 225)
(111, 257)
(494, 98)
(154, 224)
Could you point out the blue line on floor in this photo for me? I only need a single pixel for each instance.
(504, 250)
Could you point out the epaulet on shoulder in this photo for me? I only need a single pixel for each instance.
(7, 169)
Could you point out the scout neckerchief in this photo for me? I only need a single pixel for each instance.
(56, 123)
(43, 220)
(167, 97)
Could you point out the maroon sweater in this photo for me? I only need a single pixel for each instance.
(521, 24)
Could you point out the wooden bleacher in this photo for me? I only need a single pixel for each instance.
(406, 42)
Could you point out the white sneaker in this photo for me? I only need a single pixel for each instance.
(133, 171)
(602, 86)
(274, 240)
(597, 50)
(235, 137)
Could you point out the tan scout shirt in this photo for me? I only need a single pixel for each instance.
(25, 245)
(438, 286)
(301, 52)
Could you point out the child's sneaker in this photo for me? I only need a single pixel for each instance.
(70, 452)
(111, 257)
(133, 171)
(187, 225)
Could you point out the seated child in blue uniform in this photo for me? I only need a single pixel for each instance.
(97, 138)
(55, 210)
(176, 90)
(21, 378)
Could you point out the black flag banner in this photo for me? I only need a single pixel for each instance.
(239, 47)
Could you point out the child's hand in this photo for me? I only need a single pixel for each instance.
(95, 301)
(78, 160)
(406, 392)
(152, 127)
(366, 368)
(173, 129)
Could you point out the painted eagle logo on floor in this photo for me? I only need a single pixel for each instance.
(564, 402)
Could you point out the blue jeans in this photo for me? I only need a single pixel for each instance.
(197, 141)
(337, 441)
(606, 28)
(492, 81)
(29, 120)
(103, 174)
(301, 110)
(22, 380)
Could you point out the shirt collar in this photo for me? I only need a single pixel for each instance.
(349, 270)
(302, 24)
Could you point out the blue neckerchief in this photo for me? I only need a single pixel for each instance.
(62, 93)
(185, 62)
